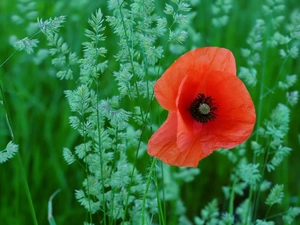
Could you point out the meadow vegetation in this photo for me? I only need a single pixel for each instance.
(77, 110)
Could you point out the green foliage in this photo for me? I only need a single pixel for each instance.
(276, 195)
(51, 27)
(220, 10)
(62, 57)
(253, 55)
(263, 222)
(9, 152)
(26, 44)
(186, 174)
(51, 219)
(210, 211)
(109, 88)
(249, 173)
(290, 216)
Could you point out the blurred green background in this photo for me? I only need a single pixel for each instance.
(39, 110)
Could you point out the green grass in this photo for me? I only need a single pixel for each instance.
(39, 113)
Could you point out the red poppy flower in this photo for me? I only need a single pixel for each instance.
(209, 107)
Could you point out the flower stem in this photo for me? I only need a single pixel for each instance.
(231, 200)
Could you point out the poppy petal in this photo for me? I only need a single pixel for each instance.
(184, 119)
(163, 145)
(201, 60)
(236, 112)
(209, 73)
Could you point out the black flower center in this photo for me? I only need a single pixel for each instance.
(203, 109)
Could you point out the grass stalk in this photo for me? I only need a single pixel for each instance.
(147, 188)
(19, 159)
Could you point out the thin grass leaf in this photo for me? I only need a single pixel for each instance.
(51, 219)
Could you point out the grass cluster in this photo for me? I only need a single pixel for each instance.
(77, 110)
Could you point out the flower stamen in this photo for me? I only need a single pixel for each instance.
(203, 109)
